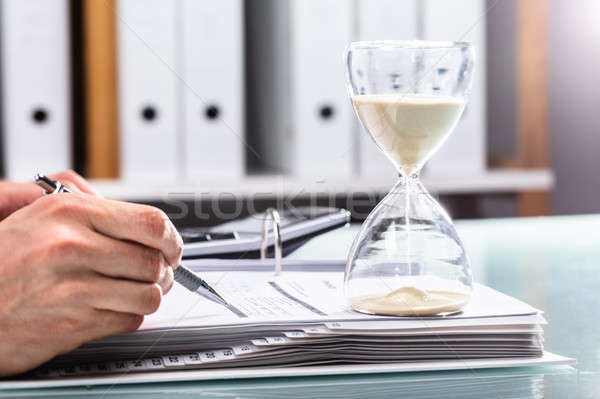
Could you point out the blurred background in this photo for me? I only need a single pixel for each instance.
(216, 109)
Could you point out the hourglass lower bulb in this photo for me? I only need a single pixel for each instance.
(407, 258)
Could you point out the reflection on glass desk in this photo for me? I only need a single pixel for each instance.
(552, 263)
(506, 383)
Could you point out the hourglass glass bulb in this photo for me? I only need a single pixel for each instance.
(408, 258)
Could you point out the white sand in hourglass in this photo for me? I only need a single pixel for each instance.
(408, 127)
(411, 301)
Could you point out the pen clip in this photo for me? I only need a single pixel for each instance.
(50, 186)
(273, 216)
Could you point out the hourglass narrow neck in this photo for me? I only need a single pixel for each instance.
(412, 179)
(410, 183)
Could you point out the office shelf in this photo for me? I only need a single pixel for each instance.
(492, 181)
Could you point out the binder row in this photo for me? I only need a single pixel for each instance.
(207, 88)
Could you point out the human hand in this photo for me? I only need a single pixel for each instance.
(76, 267)
(14, 196)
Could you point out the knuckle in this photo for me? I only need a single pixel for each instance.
(74, 291)
(61, 204)
(65, 243)
(152, 298)
(153, 264)
(116, 322)
(154, 221)
(168, 281)
(50, 201)
(179, 248)
(70, 326)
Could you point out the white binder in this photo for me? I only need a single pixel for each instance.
(321, 117)
(213, 94)
(148, 89)
(35, 87)
(464, 152)
(298, 107)
(382, 20)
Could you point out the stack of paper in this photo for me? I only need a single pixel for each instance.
(301, 318)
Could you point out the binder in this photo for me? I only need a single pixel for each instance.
(213, 93)
(299, 113)
(35, 87)
(382, 20)
(464, 152)
(247, 238)
(147, 41)
(322, 117)
(267, 85)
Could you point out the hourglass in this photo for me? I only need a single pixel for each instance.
(407, 258)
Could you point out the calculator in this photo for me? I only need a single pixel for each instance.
(242, 238)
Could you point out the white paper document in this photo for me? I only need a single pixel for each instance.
(301, 319)
(300, 297)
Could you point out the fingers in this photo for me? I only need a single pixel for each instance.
(139, 223)
(143, 224)
(75, 182)
(124, 296)
(111, 238)
(130, 260)
(108, 322)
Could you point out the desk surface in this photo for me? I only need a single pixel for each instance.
(552, 263)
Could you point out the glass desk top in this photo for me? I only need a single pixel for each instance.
(553, 263)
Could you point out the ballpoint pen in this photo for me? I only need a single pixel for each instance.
(182, 275)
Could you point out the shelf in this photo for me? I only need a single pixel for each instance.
(491, 181)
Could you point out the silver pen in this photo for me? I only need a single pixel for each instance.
(182, 275)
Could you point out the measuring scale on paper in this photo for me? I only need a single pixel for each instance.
(407, 258)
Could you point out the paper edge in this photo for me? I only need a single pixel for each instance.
(548, 359)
